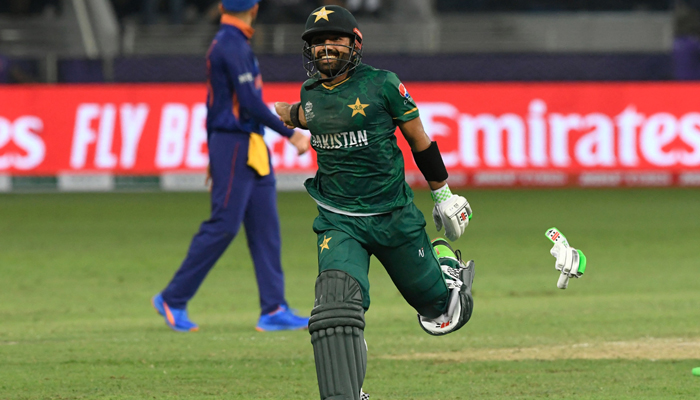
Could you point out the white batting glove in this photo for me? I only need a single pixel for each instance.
(451, 211)
(570, 261)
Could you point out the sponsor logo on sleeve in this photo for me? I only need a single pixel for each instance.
(403, 91)
(246, 77)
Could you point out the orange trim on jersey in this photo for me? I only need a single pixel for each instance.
(236, 107)
(211, 47)
(210, 93)
(210, 89)
(335, 85)
(229, 19)
(408, 112)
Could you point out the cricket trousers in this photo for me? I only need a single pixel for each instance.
(238, 195)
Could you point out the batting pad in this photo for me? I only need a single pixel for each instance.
(337, 334)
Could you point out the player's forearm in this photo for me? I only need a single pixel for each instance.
(297, 118)
(259, 111)
(426, 155)
(296, 111)
(435, 185)
(287, 112)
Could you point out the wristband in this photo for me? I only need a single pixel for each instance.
(294, 115)
(441, 194)
(430, 163)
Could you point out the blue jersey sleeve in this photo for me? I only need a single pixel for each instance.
(243, 74)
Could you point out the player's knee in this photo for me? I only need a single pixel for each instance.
(432, 310)
(338, 302)
(220, 227)
(431, 301)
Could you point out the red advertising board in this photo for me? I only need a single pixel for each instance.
(489, 134)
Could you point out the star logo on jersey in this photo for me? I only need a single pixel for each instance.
(324, 245)
(322, 14)
(358, 108)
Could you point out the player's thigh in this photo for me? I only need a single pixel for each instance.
(232, 180)
(339, 251)
(261, 214)
(410, 261)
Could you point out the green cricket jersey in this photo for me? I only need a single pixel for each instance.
(352, 125)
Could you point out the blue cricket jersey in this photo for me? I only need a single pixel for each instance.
(234, 84)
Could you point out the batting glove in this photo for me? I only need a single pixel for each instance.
(570, 261)
(451, 211)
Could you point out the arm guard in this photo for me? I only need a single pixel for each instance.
(430, 163)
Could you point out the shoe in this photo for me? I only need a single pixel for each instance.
(175, 318)
(452, 264)
(459, 277)
(282, 319)
(446, 255)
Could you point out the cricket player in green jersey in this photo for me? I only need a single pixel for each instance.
(365, 205)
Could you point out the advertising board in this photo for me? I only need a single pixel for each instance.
(506, 134)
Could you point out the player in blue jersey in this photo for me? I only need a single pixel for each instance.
(243, 183)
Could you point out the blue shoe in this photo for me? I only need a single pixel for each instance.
(175, 318)
(282, 319)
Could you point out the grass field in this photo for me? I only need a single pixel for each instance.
(78, 270)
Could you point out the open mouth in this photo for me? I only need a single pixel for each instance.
(328, 58)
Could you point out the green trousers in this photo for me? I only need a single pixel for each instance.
(398, 240)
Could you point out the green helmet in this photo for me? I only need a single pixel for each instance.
(332, 19)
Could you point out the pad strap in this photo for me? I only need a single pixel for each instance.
(294, 115)
(430, 163)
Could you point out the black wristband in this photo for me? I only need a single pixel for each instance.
(430, 163)
(294, 115)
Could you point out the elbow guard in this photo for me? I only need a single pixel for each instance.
(430, 163)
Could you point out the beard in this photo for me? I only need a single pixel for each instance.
(331, 67)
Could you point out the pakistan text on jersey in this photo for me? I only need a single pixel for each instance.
(339, 140)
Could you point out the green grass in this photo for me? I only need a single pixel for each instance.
(78, 270)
